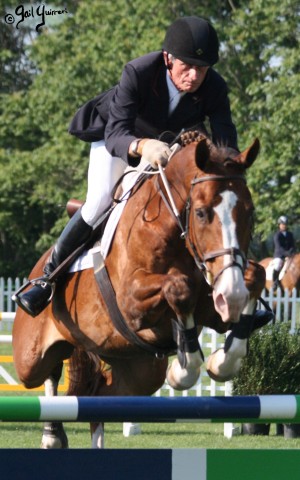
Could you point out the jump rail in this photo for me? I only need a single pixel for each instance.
(255, 409)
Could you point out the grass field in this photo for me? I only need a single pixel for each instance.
(28, 435)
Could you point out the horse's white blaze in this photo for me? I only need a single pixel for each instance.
(224, 212)
(230, 293)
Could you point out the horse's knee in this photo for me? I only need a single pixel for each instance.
(179, 292)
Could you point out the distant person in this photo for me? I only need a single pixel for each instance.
(284, 247)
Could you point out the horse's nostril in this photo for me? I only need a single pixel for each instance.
(229, 307)
(221, 306)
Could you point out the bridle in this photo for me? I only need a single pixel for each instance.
(185, 234)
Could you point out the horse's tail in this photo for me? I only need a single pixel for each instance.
(85, 373)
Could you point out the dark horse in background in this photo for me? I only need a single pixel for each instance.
(168, 284)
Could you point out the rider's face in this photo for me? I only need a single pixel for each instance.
(283, 227)
(187, 78)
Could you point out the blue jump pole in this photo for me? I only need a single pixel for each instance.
(256, 409)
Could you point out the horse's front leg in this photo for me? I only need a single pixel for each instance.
(225, 363)
(184, 370)
(54, 435)
(155, 294)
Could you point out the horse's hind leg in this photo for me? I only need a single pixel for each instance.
(54, 435)
(128, 377)
(139, 375)
(97, 435)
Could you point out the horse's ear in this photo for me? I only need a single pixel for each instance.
(202, 154)
(248, 156)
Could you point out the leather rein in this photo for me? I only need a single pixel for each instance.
(185, 232)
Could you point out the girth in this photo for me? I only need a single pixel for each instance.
(109, 297)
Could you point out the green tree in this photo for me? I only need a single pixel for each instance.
(16, 68)
(42, 165)
(262, 65)
(67, 62)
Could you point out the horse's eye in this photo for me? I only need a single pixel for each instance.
(201, 214)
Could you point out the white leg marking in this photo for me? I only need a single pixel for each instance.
(52, 437)
(98, 437)
(227, 365)
(50, 387)
(184, 378)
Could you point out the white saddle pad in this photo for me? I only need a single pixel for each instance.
(270, 268)
(86, 258)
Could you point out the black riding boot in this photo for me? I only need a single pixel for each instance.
(275, 279)
(75, 233)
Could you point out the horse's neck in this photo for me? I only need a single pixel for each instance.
(179, 176)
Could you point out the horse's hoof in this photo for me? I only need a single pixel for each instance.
(181, 379)
(218, 378)
(54, 436)
(220, 369)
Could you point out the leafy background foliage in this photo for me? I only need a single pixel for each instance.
(272, 365)
(48, 75)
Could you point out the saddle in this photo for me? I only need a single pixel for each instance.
(270, 269)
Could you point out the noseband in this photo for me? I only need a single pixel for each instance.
(232, 251)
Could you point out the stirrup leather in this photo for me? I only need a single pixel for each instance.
(41, 281)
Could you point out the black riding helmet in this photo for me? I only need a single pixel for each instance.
(192, 40)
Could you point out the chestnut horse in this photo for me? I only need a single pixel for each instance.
(290, 273)
(171, 276)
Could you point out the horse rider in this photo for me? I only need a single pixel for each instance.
(284, 247)
(164, 91)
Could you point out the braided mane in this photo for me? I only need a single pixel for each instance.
(219, 153)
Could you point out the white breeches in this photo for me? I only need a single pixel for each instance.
(104, 171)
(277, 264)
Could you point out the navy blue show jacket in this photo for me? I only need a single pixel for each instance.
(139, 107)
(284, 244)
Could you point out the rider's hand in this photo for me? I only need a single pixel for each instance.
(156, 152)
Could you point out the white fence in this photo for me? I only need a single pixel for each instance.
(7, 287)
